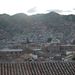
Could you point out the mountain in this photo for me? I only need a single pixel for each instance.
(37, 28)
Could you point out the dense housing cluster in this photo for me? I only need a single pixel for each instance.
(38, 52)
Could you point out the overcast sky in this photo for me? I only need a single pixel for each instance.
(37, 6)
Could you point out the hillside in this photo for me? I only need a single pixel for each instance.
(37, 28)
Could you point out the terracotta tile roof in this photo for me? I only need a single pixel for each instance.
(38, 68)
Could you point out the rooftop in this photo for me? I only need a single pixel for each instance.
(38, 68)
(10, 50)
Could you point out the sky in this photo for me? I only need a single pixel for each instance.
(31, 7)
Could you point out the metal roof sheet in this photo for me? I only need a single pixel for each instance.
(38, 68)
(10, 50)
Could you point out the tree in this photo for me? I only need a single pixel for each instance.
(49, 40)
(27, 40)
(73, 58)
(73, 42)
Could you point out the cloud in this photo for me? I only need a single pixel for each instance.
(59, 11)
(32, 10)
(67, 11)
(56, 10)
(74, 9)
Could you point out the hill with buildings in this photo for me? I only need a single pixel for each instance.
(37, 28)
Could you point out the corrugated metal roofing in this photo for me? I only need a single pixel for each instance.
(10, 50)
(38, 68)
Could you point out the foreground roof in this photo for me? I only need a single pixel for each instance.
(38, 68)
